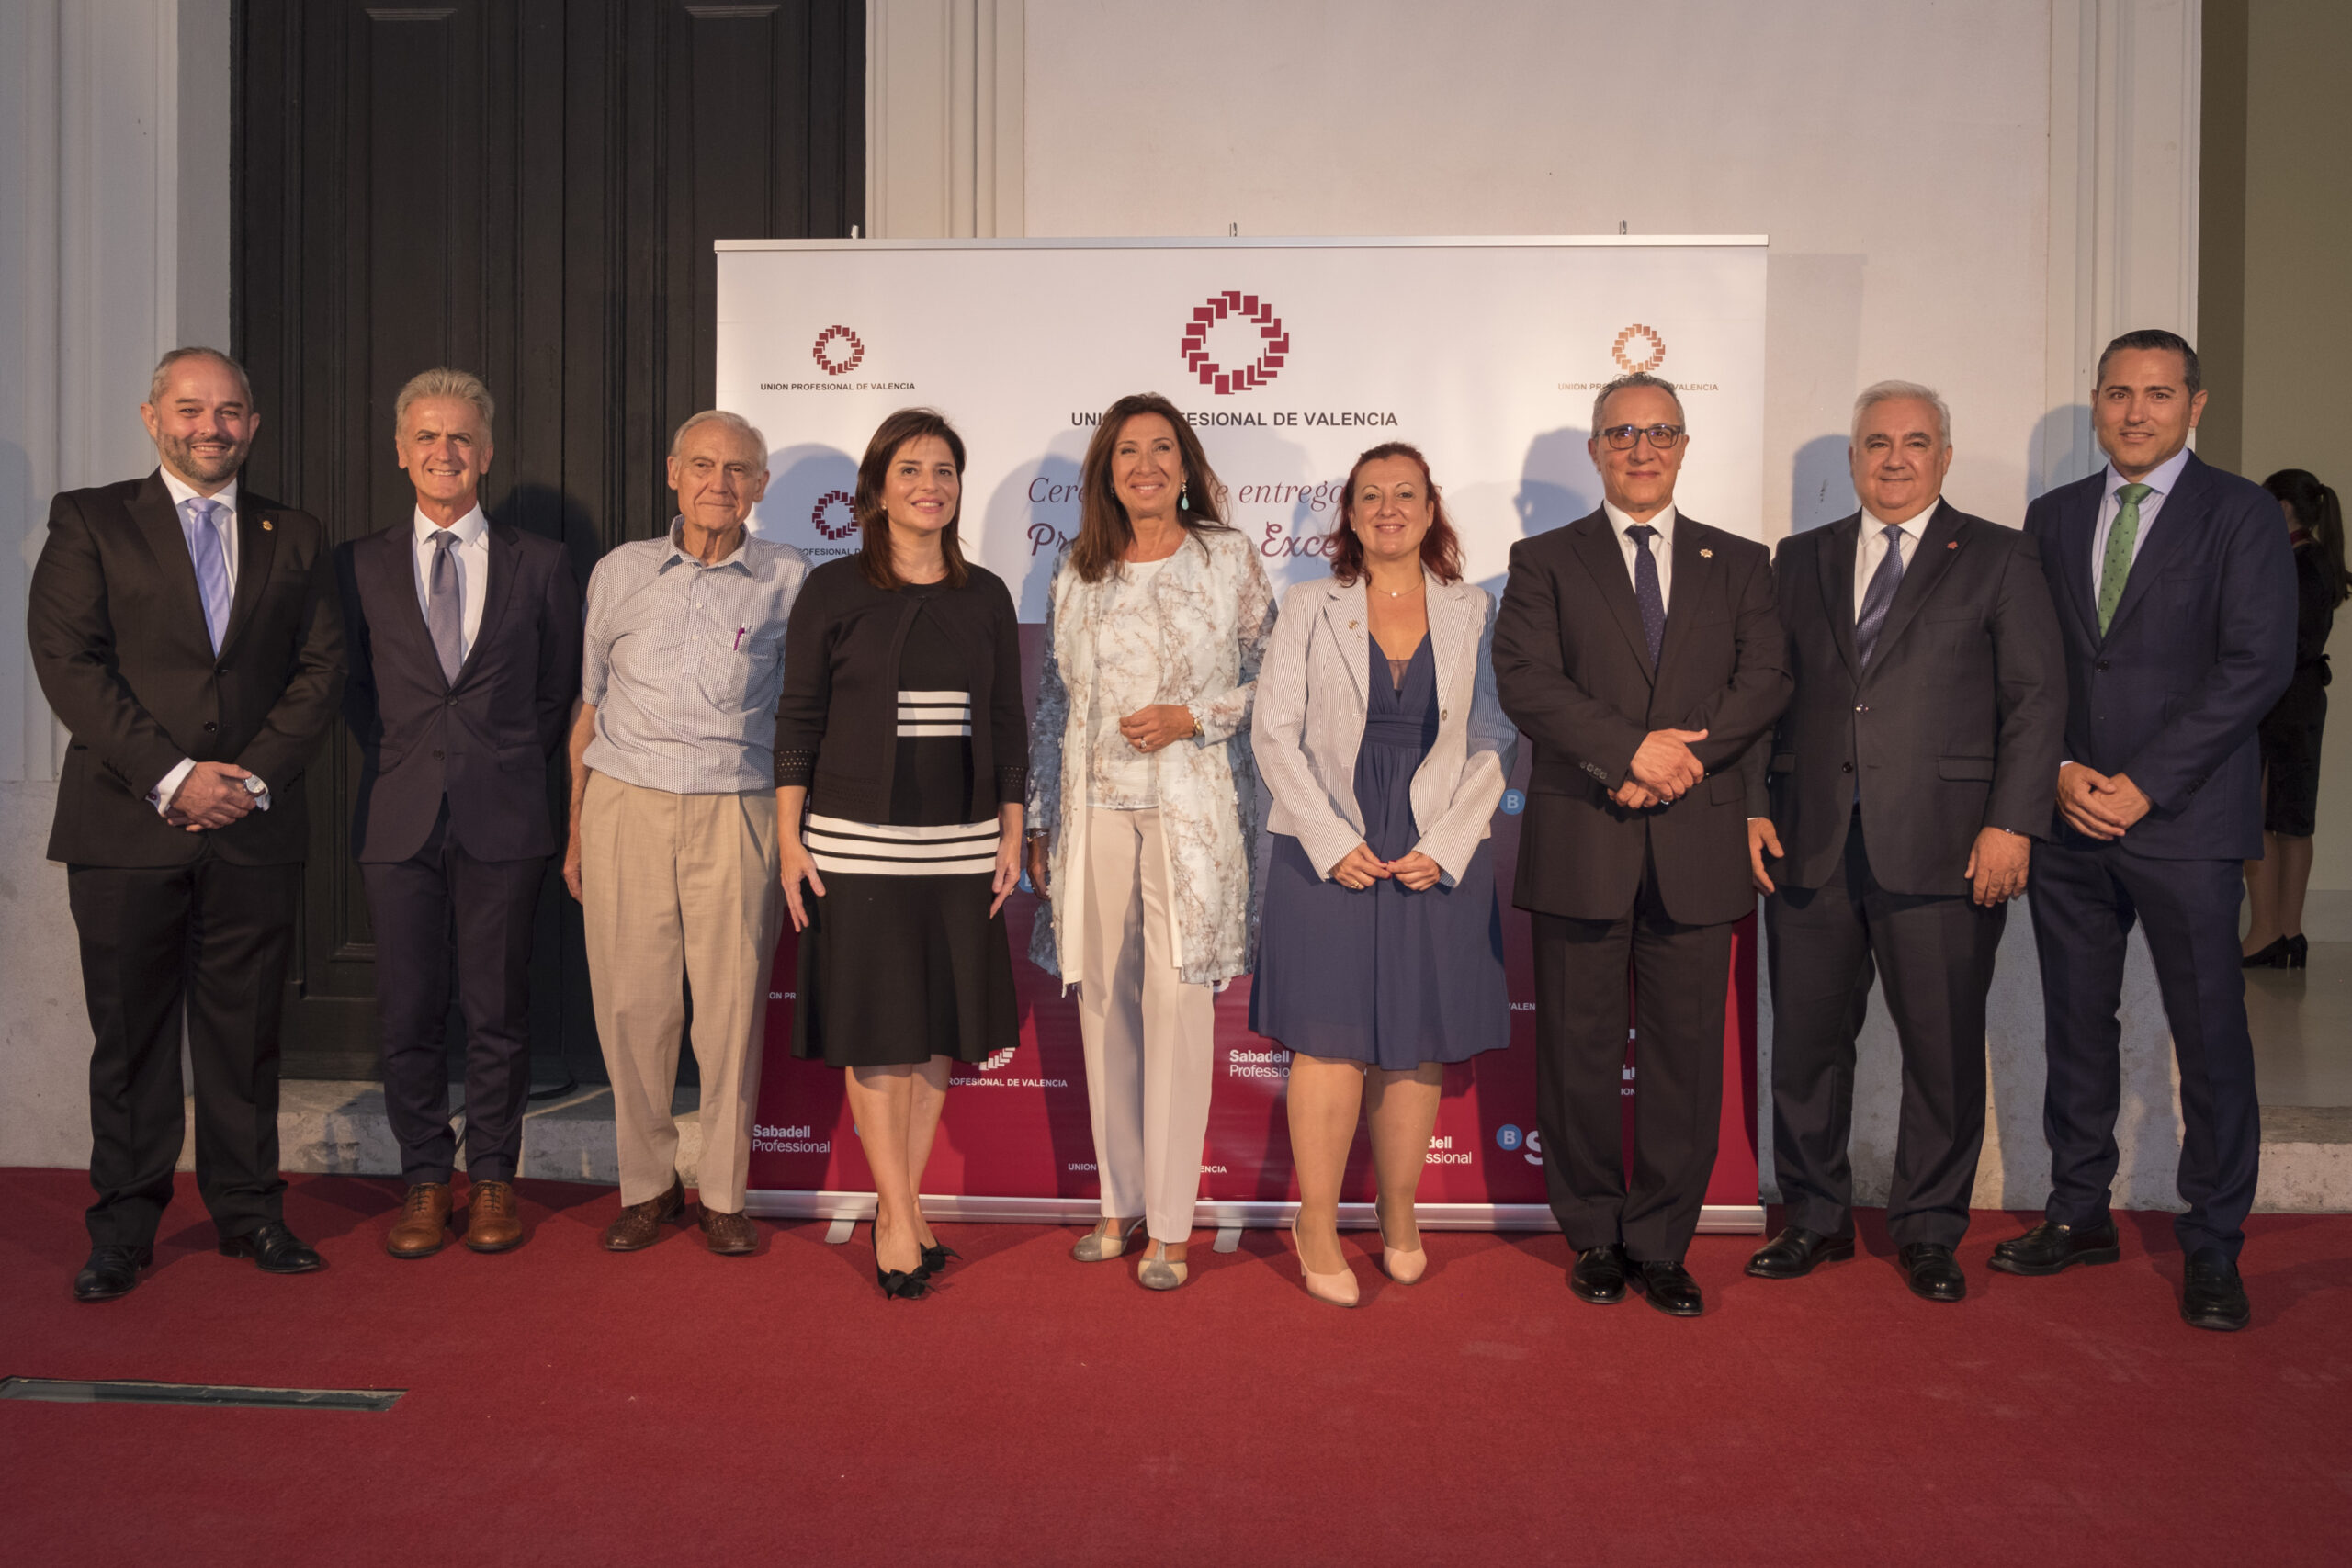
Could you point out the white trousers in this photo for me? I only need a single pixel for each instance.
(1149, 1036)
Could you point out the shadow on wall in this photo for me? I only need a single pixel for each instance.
(1821, 484)
(1557, 486)
(2061, 450)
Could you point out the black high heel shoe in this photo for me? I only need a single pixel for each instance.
(936, 1257)
(902, 1284)
(2299, 951)
(2278, 955)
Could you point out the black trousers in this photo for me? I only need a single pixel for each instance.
(416, 905)
(2086, 896)
(1681, 974)
(208, 943)
(1936, 953)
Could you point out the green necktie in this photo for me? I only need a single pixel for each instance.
(2117, 569)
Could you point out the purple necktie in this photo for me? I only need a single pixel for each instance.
(198, 520)
(445, 614)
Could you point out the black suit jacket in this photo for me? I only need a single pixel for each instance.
(119, 641)
(482, 741)
(1957, 725)
(2201, 645)
(1573, 669)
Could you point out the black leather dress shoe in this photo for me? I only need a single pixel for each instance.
(1933, 1272)
(110, 1272)
(2213, 1296)
(1599, 1276)
(1791, 1254)
(2051, 1247)
(273, 1247)
(1669, 1288)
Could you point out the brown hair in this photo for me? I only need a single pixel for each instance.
(874, 557)
(1103, 531)
(1441, 548)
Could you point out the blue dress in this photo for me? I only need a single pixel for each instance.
(1385, 976)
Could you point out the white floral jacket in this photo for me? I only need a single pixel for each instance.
(1215, 611)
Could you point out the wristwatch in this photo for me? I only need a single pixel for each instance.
(254, 786)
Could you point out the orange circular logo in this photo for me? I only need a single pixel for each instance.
(1638, 348)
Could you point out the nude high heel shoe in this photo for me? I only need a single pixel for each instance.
(1338, 1288)
(1402, 1267)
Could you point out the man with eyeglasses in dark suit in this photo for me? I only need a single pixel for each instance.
(1642, 653)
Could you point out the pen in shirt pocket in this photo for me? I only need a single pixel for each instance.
(741, 633)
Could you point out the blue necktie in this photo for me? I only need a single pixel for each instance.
(1646, 590)
(1879, 597)
(198, 522)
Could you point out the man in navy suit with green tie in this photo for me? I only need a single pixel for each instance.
(2176, 595)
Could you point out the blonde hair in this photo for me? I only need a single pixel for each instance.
(443, 382)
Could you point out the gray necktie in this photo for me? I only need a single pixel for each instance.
(444, 614)
(1879, 597)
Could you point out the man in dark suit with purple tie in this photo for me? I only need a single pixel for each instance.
(184, 631)
(465, 659)
(2175, 590)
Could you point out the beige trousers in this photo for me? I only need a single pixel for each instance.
(1149, 1036)
(679, 888)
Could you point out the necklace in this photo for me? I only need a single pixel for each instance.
(1392, 594)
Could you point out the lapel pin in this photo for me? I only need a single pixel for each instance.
(1351, 625)
(1706, 555)
(267, 526)
(1952, 544)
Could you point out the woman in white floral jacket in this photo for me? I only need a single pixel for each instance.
(1142, 808)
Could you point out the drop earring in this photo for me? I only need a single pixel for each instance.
(1185, 496)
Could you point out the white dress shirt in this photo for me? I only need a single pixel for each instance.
(2166, 475)
(159, 797)
(1661, 548)
(471, 556)
(1872, 548)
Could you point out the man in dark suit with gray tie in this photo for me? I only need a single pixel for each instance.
(2174, 591)
(465, 659)
(1908, 778)
(185, 632)
(1639, 650)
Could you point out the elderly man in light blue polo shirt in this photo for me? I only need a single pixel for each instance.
(673, 854)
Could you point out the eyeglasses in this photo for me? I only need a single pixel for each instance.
(1621, 437)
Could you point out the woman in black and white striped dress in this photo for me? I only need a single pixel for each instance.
(901, 755)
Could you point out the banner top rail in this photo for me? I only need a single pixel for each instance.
(1266, 241)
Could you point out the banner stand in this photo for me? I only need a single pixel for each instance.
(1714, 1218)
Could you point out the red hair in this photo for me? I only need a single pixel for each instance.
(1441, 548)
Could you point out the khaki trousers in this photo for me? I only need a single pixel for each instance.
(680, 887)
(1149, 1037)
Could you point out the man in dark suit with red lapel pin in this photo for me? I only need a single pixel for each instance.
(1909, 778)
(184, 630)
(1641, 652)
(465, 659)
(2175, 588)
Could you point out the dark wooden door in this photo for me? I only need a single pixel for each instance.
(527, 189)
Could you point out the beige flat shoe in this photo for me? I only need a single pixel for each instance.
(1105, 1241)
(1340, 1289)
(1161, 1273)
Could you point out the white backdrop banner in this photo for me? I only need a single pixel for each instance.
(1290, 356)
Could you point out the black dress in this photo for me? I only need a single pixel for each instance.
(901, 961)
(2291, 732)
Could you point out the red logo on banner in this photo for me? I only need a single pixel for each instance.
(1249, 308)
(847, 525)
(1640, 339)
(837, 351)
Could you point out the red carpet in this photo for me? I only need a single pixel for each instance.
(570, 1407)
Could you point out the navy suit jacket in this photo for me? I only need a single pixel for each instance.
(485, 740)
(2201, 645)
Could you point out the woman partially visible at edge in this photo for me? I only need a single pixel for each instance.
(901, 733)
(1141, 807)
(2291, 732)
(1383, 750)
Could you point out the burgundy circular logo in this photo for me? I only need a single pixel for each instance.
(1638, 348)
(837, 351)
(1233, 303)
(825, 502)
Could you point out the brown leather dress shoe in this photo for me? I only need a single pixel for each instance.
(730, 1235)
(423, 1225)
(639, 1225)
(492, 1223)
